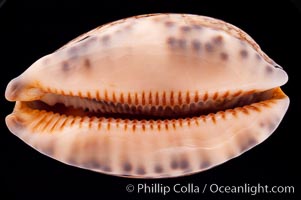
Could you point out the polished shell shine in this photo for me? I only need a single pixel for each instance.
(215, 92)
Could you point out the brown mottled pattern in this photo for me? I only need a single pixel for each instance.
(195, 21)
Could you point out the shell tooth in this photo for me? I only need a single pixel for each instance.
(151, 96)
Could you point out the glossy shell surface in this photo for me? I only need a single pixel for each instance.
(151, 96)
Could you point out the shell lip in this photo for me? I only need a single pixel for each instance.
(135, 114)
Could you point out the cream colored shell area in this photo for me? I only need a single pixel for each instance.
(148, 149)
(135, 56)
(144, 56)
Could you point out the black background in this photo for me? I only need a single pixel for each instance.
(30, 30)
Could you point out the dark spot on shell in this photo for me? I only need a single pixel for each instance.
(197, 27)
(243, 53)
(105, 39)
(258, 57)
(49, 150)
(169, 23)
(73, 52)
(176, 43)
(204, 164)
(140, 171)
(87, 63)
(106, 168)
(171, 41)
(268, 69)
(174, 164)
(65, 66)
(218, 40)
(269, 125)
(251, 142)
(185, 28)
(127, 167)
(196, 45)
(262, 124)
(92, 164)
(247, 143)
(224, 56)
(184, 164)
(209, 47)
(158, 169)
(243, 43)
